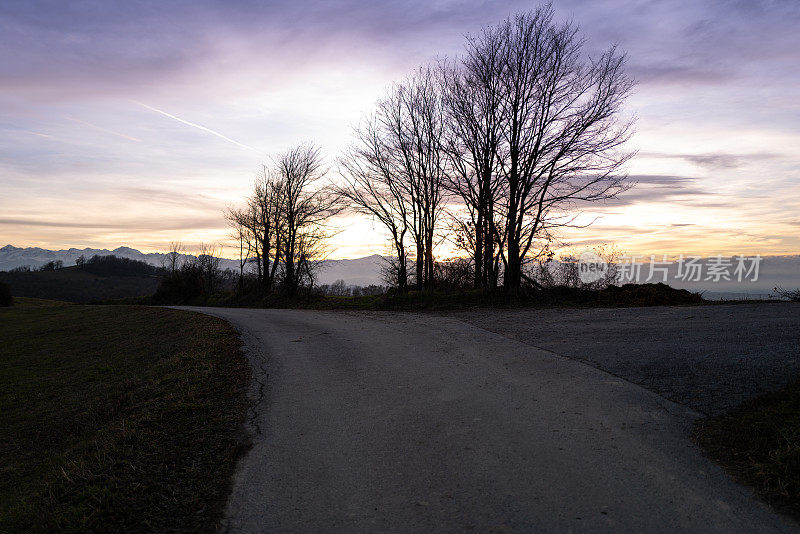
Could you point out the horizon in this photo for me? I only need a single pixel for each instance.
(568, 255)
(111, 140)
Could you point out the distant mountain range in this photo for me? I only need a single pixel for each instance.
(361, 271)
(774, 270)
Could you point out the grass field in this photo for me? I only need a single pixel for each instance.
(117, 418)
(759, 444)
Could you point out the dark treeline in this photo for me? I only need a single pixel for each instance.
(112, 265)
(102, 265)
(187, 277)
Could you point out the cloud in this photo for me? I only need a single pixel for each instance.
(717, 78)
(678, 74)
(53, 224)
(658, 188)
(715, 161)
(661, 179)
(171, 197)
(135, 224)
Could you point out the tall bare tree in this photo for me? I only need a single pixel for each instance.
(266, 207)
(561, 131)
(472, 101)
(412, 126)
(260, 222)
(305, 209)
(207, 264)
(375, 187)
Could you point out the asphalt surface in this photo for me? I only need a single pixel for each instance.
(710, 358)
(368, 422)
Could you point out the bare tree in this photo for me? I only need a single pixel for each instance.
(207, 263)
(172, 259)
(241, 231)
(561, 135)
(472, 100)
(305, 208)
(374, 187)
(265, 210)
(284, 222)
(411, 122)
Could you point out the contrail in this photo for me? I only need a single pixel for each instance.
(199, 127)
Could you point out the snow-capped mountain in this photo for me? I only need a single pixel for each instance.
(361, 271)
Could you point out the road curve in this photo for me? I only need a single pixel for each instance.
(398, 422)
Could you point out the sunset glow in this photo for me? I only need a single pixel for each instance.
(120, 128)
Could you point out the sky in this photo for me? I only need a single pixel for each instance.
(138, 123)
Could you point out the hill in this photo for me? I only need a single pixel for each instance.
(78, 285)
(361, 271)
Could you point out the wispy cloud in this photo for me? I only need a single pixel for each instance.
(715, 160)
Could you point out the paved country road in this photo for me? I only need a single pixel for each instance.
(375, 422)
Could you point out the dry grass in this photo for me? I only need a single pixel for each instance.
(117, 418)
(759, 444)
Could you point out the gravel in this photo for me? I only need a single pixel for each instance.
(710, 358)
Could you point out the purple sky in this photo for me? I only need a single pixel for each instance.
(136, 123)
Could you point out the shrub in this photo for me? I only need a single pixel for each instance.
(453, 275)
(52, 266)
(789, 294)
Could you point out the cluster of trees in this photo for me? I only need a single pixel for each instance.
(788, 294)
(565, 271)
(340, 288)
(493, 151)
(49, 266)
(186, 277)
(283, 226)
(510, 138)
(112, 265)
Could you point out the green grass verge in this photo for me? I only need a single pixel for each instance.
(117, 418)
(759, 444)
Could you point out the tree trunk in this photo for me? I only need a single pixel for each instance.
(402, 278)
(420, 265)
(429, 261)
(478, 282)
(513, 275)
